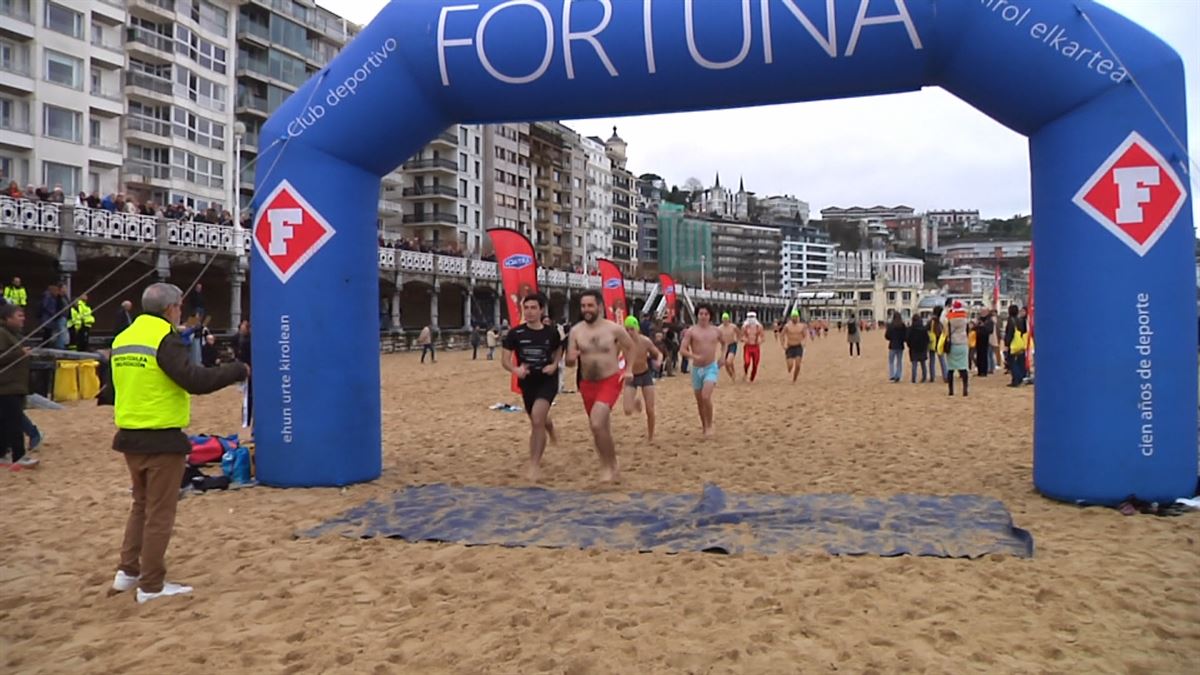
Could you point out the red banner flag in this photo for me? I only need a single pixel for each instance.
(517, 263)
(612, 287)
(668, 291)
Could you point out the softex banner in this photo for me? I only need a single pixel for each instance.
(668, 291)
(612, 287)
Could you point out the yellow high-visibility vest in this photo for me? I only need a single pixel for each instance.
(145, 397)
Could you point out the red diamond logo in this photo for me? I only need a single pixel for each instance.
(288, 231)
(1135, 194)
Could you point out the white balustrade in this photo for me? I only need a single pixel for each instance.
(452, 265)
(482, 269)
(29, 216)
(387, 258)
(415, 261)
(556, 278)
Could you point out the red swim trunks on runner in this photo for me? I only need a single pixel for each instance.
(606, 391)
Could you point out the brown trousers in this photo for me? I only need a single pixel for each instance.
(156, 480)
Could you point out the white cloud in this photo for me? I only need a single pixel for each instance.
(925, 149)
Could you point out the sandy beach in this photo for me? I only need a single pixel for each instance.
(1104, 593)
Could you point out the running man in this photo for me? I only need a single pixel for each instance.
(730, 336)
(703, 344)
(538, 348)
(753, 335)
(793, 336)
(594, 344)
(639, 374)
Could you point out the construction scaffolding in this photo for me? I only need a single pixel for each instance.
(684, 245)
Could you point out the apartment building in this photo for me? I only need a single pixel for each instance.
(778, 209)
(745, 258)
(279, 45)
(508, 177)
(598, 197)
(649, 196)
(624, 209)
(806, 259)
(550, 152)
(61, 103)
(437, 197)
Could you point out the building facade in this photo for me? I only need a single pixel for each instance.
(873, 213)
(61, 103)
(550, 148)
(904, 271)
(180, 84)
(649, 196)
(779, 209)
(624, 207)
(507, 189)
(805, 262)
(598, 197)
(870, 301)
(857, 265)
(949, 220)
(744, 258)
(968, 280)
(967, 252)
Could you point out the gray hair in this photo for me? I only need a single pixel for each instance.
(158, 297)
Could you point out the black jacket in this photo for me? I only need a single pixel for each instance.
(14, 364)
(124, 320)
(918, 341)
(175, 361)
(896, 336)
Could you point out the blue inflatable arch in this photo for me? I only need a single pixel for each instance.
(1116, 404)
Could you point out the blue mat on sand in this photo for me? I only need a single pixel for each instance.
(962, 526)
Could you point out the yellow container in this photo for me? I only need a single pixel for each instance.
(66, 381)
(89, 380)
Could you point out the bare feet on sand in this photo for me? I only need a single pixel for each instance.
(611, 474)
(533, 472)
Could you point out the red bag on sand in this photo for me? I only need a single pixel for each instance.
(206, 452)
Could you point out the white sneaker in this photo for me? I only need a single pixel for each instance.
(28, 462)
(123, 582)
(168, 589)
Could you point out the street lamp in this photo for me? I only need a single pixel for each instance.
(239, 132)
(702, 271)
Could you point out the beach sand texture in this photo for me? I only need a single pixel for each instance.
(1104, 593)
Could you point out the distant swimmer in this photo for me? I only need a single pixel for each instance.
(594, 344)
(753, 335)
(793, 336)
(702, 344)
(640, 373)
(730, 336)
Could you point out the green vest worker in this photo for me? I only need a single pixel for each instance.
(80, 322)
(15, 294)
(152, 378)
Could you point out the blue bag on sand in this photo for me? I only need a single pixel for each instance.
(235, 463)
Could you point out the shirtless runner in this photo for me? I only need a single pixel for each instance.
(730, 336)
(640, 372)
(703, 345)
(793, 336)
(593, 344)
(753, 335)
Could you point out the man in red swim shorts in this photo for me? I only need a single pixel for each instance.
(595, 344)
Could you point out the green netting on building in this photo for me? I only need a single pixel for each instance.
(684, 244)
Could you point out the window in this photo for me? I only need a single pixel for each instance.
(477, 150)
(462, 187)
(477, 175)
(462, 214)
(462, 164)
(198, 129)
(14, 116)
(62, 124)
(286, 68)
(62, 20)
(94, 132)
(205, 92)
(290, 35)
(891, 296)
(864, 296)
(477, 225)
(196, 169)
(199, 50)
(476, 194)
(93, 182)
(210, 17)
(64, 70)
(463, 135)
(54, 174)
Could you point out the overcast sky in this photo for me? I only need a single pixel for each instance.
(925, 149)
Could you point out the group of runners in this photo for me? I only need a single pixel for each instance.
(615, 362)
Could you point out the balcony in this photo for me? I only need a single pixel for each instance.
(107, 153)
(253, 32)
(433, 191)
(310, 17)
(15, 21)
(15, 75)
(159, 9)
(112, 11)
(16, 132)
(148, 126)
(432, 164)
(434, 218)
(158, 45)
(446, 138)
(252, 103)
(387, 208)
(154, 85)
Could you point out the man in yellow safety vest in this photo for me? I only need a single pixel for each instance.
(14, 294)
(81, 323)
(152, 377)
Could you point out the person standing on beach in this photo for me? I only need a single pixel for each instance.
(854, 338)
(918, 347)
(896, 335)
(730, 336)
(753, 335)
(425, 339)
(152, 377)
(537, 347)
(641, 376)
(702, 345)
(956, 337)
(792, 336)
(594, 344)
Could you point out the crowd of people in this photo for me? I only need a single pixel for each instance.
(120, 203)
(406, 244)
